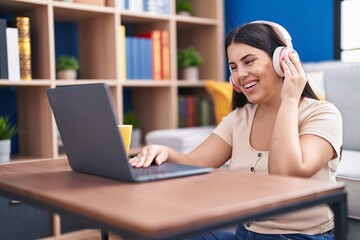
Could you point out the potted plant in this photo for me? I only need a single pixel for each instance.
(189, 60)
(132, 119)
(184, 7)
(66, 67)
(7, 131)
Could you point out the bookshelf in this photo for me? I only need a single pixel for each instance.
(99, 53)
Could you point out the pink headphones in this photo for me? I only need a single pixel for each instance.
(279, 53)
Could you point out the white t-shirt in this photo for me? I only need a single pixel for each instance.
(319, 118)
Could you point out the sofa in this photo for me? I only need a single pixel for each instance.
(336, 82)
(342, 83)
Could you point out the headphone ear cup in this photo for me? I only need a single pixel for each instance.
(278, 57)
(231, 80)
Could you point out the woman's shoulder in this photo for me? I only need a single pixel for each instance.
(310, 105)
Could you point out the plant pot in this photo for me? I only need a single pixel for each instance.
(184, 13)
(135, 138)
(5, 149)
(66, 74)
(191, 73)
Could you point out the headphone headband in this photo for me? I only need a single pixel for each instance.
(285, 34)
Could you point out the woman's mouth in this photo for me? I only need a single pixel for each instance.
(250, 86)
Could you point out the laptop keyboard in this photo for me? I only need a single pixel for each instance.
(152, 170)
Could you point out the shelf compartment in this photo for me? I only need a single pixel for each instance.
(95, 32)
(39, 32)
(152, 106)
(210, 11)
(109, 8)
(196, 37)
(34, 122)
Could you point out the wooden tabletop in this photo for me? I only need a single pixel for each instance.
(159, 207)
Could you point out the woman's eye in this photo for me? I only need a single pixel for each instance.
(249, 61)
(233, 68)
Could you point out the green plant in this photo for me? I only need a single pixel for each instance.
(131, 118)
(184, 5)
(189, 58)
(66, 62)
(6, 130)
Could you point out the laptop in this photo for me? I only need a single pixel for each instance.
(87, 124)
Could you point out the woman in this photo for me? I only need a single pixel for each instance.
(277, 126)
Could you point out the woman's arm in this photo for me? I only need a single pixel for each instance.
(290, 154)
(213, 152)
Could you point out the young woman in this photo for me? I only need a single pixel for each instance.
(277, 126)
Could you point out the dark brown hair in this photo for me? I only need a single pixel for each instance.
(264, 37)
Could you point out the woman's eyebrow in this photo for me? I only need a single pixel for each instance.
(243, 58)
(247, 55)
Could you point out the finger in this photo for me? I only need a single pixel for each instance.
(161, 157)
(290, 65)
(133, 161)
(286, 69)
(150, 156)
(296, 62)
(141, 158)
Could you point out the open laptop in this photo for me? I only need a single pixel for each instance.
(87, 124)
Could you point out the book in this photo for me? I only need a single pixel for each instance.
(136, 5)
(12, 42)
(155, 36)
(129, 58)
(3, 50)
(122, 53)
(165, 55)
(23, 25)
(144, 59)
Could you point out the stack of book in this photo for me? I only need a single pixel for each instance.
(15, 50)
(194, 111)
(151, 6)
(147, 55)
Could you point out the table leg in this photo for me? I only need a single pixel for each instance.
(339, 209)
(104, 235)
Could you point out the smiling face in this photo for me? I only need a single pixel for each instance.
(253, 73)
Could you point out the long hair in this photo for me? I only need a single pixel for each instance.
(264, 37)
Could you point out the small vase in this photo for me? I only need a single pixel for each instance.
(66, 74)
(191, 73)
(5, 149)
(184, 13)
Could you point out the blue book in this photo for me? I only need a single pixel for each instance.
(136, 63)
(146, 58)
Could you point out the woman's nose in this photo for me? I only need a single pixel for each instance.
(241, 73)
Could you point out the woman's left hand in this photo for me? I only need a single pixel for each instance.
(295, 78)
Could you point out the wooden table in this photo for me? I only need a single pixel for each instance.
(169, 208)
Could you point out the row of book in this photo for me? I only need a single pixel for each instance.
(145, 55)
(194, 111)
(15, 49)
(151, 6)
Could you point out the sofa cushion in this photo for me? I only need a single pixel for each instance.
(316, 81)
(342, 86)
(348, 172)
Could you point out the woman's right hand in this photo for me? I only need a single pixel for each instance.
(149, 154)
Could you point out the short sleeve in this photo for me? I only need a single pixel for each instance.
(323, 119)
(225, 128)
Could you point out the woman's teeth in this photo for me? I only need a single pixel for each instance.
(249, 85)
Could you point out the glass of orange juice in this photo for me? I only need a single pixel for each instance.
(126, 131)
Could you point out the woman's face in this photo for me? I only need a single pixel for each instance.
(253, 72)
